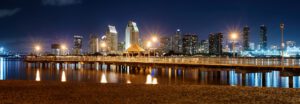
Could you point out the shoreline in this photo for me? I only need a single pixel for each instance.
(45, 92)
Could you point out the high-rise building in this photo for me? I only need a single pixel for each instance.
(94, 44)
(112, 38)
(132, 34)
(56, 49)
(204, 46)
(215, 43)
(176, 42)
(246, 31)
(77, 49)
(165, 44)
(263, 37)
(189, 44)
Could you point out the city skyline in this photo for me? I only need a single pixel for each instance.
(59, 21)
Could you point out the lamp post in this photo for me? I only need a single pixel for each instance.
(154, 39)
(149, 44)
(282, 43)
(103, 46)
(64, 49)
(37, 49)
(233, 37)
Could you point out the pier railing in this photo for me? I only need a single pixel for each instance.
(259, 62)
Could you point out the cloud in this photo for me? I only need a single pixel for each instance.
(8, 12)
(60, 2)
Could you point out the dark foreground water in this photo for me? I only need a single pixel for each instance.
(19, 70)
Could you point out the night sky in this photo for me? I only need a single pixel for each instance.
(24, 23)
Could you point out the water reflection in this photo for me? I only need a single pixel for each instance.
(149, 79)
(103, 78)
(17, 70)
(2, 69)
(63, 76)
(37, 76)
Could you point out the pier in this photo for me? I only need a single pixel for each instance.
(226, 62)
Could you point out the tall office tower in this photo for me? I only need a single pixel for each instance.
(176, 42)
(215, 43)
(263, 37)
(77, 45)
(165, 44)
(246, 31)
(131, 35)
(56, 49)
(189, 44)
(112, 38)
(204, 46)
(93, 44)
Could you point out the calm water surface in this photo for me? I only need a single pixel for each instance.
(19, 70)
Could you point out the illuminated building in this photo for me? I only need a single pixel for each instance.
(263, 37)
(215, 43)
(189, 42)
(55, 49)
(77, 45)
(94, 44)
(165, 44)
(112, 38)
(204, 46)
(176, 42)
(246, 31)
(131, 35)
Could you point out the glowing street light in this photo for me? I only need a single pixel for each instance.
(154, 39)
(234, 37)
(64, 49)
(149, 44)
(37, 48)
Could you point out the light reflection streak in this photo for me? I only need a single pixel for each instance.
(103, 78)
(37, 76)
(2, 71)
(63, 77)
(149, 79)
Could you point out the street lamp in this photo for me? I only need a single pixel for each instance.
(154, 39)
(37, 49)
(103, 46)
(149, 44)
(282, 43)
(64, 49)
(233, 37)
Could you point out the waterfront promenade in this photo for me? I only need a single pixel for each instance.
(272, 63)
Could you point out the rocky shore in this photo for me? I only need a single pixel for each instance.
(50, 92)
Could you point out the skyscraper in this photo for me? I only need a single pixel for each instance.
(93, 44)
(204, 46)
(246, 31)
(77, 45)
(112, 38)
(215, 43)
(263, 37)
(132, 34)
(189, 44)
(176, 42)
